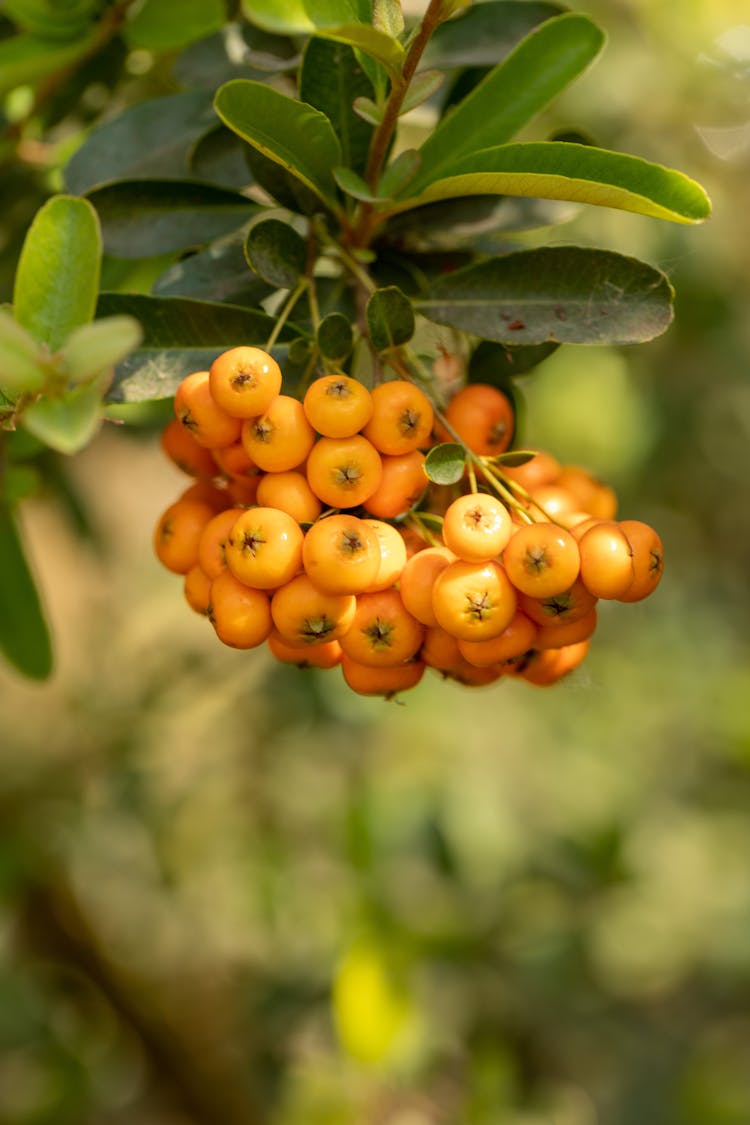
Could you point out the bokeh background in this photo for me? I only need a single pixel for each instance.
(235, 893)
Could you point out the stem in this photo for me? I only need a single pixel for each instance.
(283, 316)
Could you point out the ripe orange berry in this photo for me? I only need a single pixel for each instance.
(383, 632)
(306, 616)
(552, 500)
(240, 616)
(242, 492)
(590, 494)
(476, 527)
(198, 590)
(197, 411)
(341, 555)
(264, 548)
(234, 461)
(648, 559)
(570, 633)
(344, 472)
(183, 450)
(280, 438)
(473, 601)
(440, 650)
(402, 484)
(470, 675)
(325, 655)
(516, 638)
(417, 579)
(178, 533)
(401, 420)
(483, 417)
(207, 493)
(244, 381)
(392, 553)
(558, 609)
(542, 559)
(543, 468)
(337, 406)
(291, 493)
(606, 560)
(212, 544)
(381, 681)
(551, 664)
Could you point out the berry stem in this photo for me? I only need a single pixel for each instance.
(283, 316)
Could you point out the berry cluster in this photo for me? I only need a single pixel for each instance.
(312, 526)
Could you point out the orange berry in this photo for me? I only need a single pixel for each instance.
(244, 381)
(483, 417)
(473, 601)
(234, 461)
(305, 615)
(392, 553)
(606, 560)
(184, 451)
(558, 609)
(552, 500)
(470, 675)
(264, 548)
(417, 579)
(325, 655)
(542, 559)
(242, 492)
(280, 438)
(388, 681)
(590, 494)
(401, 420)
(648, 559)
(402, 484)
(570, 633)
(207, 493)
(240, 616)
(543, 468)
(291, 493)
(212, 544)
(382, 632)
(344, 472)
(440, 650)
(551, 664)
(476, 527)
(341, 555)
(337, 406)
(517, 637)
(198, 412)
(198, 590)
(178, 533)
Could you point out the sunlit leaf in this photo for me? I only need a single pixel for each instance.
(69, 423)
(20, 367)
(94, 348)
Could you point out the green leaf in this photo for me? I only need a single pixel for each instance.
(219, 157)
(50, 19)
(485, 33)
(20, 366)
(26, 59)
(390, 318)
(387, 16)
(180, 336)
(219, 273)
(398, 174)
(285, 17)
(335, 337)
(445, 463)
(515, 457)
(276, 253)
(496, 363)
(578, 173)
(69, 423)
(21, 482)
(94, 348)
(422, 87)
(353, 184)
(287, 131)
(331, 80)
(150, 140)
(165, 25)
(560, 294)
(368, 110)
(142, 218)
(514, 91)
(379, 46)
(24, 637)
(57, 279)
(482, 222)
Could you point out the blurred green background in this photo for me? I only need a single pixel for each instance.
(235, 893)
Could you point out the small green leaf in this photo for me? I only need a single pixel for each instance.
(556, 294)
(276, 253)
(331, 79)
(285, 17)
(372, 42)
(398, 174)
(285, 130)
(94, 348)
(57, 279)
(353, 184)
(20, 366)
(515, 457)
(335, 337)
(367, 109)
(422, 87)
(387, 16)
(390, 318)
(166, 25)
(445, 463)
(69, 423)
(24, 637)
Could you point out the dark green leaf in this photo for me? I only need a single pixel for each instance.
(150, 140)
(335, 337)
(180, 336)
(515, 457)
(330, 80)
(390, 318)
(276, 253)
(24, 637)
(281, 185)
(20, 482)
(485, 33)
(164, 25)
(445, 463)
(66, 424)
(561, 294)
(514, 91)
(57, 280)
(233, 53)
(580, 173)
(218, 157)
(285, 130)
(482, 222)
(142, 218)
(220, 273)
(496, 363)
